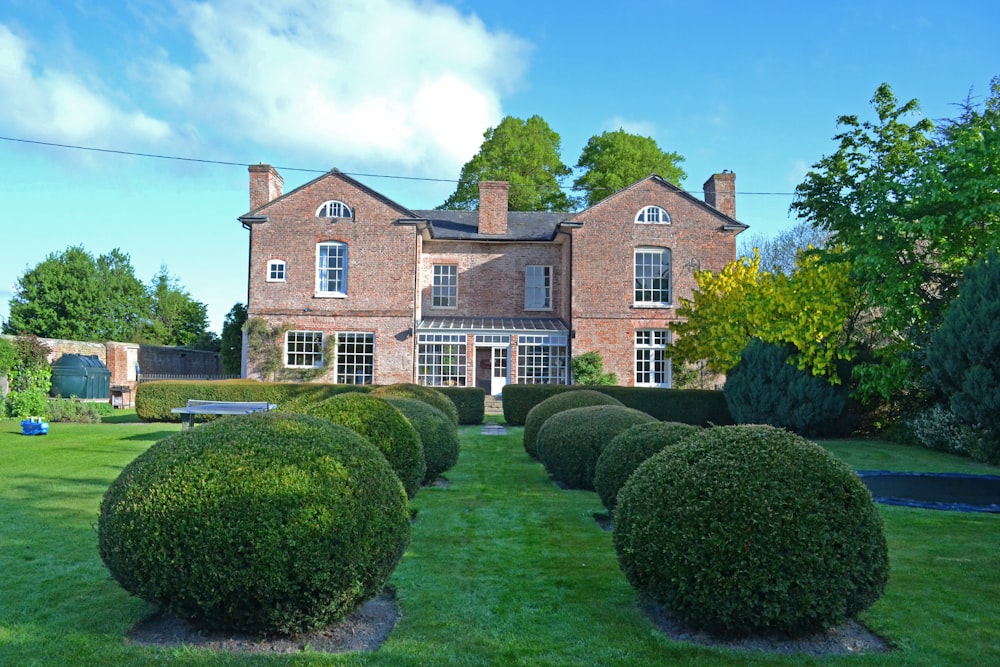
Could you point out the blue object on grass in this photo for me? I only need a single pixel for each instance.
(34, 426)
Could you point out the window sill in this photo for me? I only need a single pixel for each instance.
(546, 310)
(330, 295)
(275, 280)
(645, 306)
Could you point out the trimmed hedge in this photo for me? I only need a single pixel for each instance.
(552, 405)
(701, 407)
(438, 435)
(269, 523)
(428, 395)
(629, 450)
(751, 530)
(154, 400)
(383, 425)
(570, 442)
(469, 401)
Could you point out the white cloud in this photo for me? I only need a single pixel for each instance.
(797, 173)
(642, 128)
(57, 105)
(390, 82)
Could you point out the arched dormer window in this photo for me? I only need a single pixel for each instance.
(653, 215)
(334, 209)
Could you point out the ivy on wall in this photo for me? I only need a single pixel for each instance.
(266, 351)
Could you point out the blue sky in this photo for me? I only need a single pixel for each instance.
(406, 88)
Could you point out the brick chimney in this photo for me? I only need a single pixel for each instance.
(493, 207)
(265, 184)
(720, 192)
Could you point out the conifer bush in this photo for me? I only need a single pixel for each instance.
(428, 395)
(382, 424)
(438, 435)
(578, 398)
(268, 523)
(751, 530)
(628, 450)
(570, 442)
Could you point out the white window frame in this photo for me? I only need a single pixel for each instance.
(355, 358)
(442, 360)
(277, 271)
(653, 368)
(444, 286)
(303, 345)
(652, 215)
(334, 209)
(537, 287)
(542, 359)
(644, 268)
(324, 267)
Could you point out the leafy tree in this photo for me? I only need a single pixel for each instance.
(964, 354)
(778, 254)
(175, 317)
(588, 368)
(616, 160)
(30, 378)
(232, 339)
(813, 310)
(524, 153)
(910, 211)
(73, 295)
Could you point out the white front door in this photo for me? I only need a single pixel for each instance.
(499, 370)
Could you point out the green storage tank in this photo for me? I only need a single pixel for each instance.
(83, 376)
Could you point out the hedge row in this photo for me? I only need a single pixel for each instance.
(154, 400)
(700, 407)
(470, 402)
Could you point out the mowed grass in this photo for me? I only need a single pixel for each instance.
(504, 568)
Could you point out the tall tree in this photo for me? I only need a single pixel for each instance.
(616, 160)
(524, 153)
(779, 253)
(175, 317)
(73, 295)
(232, 339)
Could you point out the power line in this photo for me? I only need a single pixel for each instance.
(225, 163)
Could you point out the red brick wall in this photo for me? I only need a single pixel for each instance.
(604, 316)
(491, 278)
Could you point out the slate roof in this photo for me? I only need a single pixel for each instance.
(521, 225)
(491, 324)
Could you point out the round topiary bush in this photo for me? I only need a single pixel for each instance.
(438, 435)
(579, 398)
(570, 442)
(428, 395)
(631, 448)
(269, 523)
(385, 427)
(751, 530)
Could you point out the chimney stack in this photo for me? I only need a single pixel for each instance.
(265, 185)
(720, 192)
(493, 207)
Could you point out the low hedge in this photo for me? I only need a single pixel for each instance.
(470, 403)
(155, 400)
(751, 530)
(570, 442)
(429, 395)
(700, 407)
(555, 404)
(270, 523)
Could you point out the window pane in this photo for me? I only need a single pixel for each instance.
(444, 291)
(355, 358)
(652, 276)
(537, 287)
(304, 349)
(441, 359)
(652, 365)
(332, 268)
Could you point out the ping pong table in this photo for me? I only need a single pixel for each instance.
(195, 407)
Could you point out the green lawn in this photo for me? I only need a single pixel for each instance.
(503, 568)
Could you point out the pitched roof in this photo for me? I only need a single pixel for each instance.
(521, 225)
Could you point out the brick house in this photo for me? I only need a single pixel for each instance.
(377, 293)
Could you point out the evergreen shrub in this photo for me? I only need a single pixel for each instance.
(269, 523)
(763, 388)
(751, 530)
(469, 401)
(438, 435)
(383, 425)
(579, 398)
(518, 399)
(570, 442)
(428, 395)
(628, 450)
(74, 410)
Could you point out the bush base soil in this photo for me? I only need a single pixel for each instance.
(365, 629)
